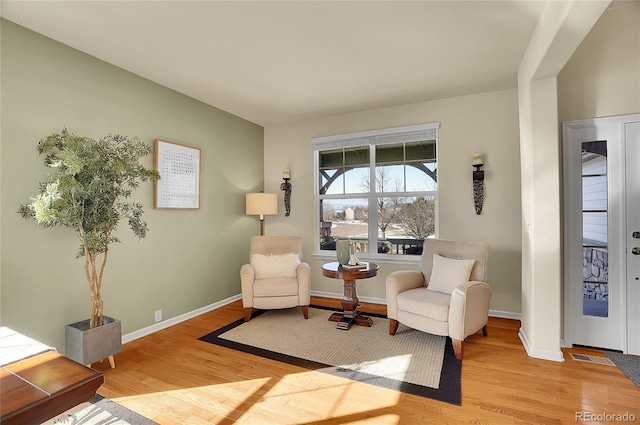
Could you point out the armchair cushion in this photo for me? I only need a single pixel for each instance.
(430, 304)
(275, 287)
(448, 273)
(275, 265)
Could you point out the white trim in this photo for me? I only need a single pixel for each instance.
(335, 295)
(410, 133)
(175, 320)
(493, 313)
(512, 315)
(328, 256)
(555, 356)
(604, 121)
(132, 336)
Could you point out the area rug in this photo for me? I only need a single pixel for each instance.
(412, 362)
(629, 365)
(99, 411)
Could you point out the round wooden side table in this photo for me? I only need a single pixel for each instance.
(350, 314)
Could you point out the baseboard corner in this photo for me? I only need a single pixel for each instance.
(555, 356)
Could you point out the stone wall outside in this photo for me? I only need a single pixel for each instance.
(595, 273)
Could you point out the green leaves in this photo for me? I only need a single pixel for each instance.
(87, 190)
(89, 184)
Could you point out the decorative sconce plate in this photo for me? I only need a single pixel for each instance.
(478, 183)
(286, 187)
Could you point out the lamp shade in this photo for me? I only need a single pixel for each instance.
(262, 203)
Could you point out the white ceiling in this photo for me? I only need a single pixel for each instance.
(276, 62)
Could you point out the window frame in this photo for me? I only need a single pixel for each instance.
(371, 139)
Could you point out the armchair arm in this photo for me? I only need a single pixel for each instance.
(303, 273)
(397, 282)
(469, 309)
(247, 276)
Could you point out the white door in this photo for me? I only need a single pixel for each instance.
(601, 182)
(632, 136)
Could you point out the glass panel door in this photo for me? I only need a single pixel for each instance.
(594, 225)
(595, 250)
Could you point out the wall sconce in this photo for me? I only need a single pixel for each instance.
(286, 186)
(262, 204)
(478, 182)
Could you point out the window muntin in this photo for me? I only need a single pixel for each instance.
(406, 167)
(401, 204)
(343, 170)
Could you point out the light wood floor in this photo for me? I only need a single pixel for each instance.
(173, 378)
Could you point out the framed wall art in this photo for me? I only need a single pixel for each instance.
(179, 184)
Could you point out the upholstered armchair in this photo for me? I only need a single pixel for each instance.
(447, 297)
(275, 277)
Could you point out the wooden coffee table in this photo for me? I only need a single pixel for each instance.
(37, 389)
(350, 314)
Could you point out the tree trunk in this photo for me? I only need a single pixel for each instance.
(96, 311)
(94, 289)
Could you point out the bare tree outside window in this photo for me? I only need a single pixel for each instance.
(388, 207)
(418, 219)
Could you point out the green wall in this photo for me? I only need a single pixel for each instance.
(190, 258)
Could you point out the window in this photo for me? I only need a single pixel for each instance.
(378, 189)
(595, 219)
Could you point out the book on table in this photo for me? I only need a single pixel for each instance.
(358, 266)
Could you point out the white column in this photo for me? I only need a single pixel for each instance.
(562, 26)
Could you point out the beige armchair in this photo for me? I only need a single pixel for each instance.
(447, 297)
(275, 277)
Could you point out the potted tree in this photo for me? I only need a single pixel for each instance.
(88, 192)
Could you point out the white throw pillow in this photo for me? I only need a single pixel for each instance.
(275, 265)
(448, 273)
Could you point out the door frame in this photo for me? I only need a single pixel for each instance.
(632, 136)
(611, 129)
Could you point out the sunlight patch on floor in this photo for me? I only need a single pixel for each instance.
(391, 367)
(287, 400)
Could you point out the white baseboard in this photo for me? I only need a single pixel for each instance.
(505, 314)
(371, 300)
(175, 320)
(190, 315)
(492, 313)
(555, 356)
